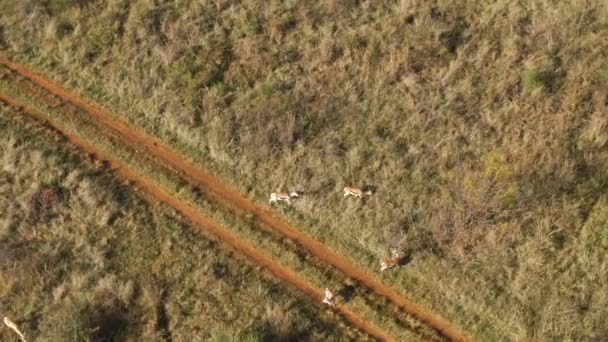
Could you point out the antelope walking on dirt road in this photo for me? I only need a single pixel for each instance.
(14, 327)
(356, 192)
(282, 197)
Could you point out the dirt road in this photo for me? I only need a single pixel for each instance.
(163, 152)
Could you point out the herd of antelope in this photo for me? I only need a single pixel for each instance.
(385, 264)
(287, 197)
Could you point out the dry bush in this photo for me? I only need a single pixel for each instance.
(467, 211)
(43, 204)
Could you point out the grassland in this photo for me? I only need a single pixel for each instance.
(481, 123)
(85, 258)
(125, 153)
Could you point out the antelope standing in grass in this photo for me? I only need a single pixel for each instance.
(330, 298)
(282, 197)
(392, 262)
(14, 327)
(356, 192)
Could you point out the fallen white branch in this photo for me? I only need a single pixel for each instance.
(14, 327)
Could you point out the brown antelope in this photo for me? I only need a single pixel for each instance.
(282, 197)
(14, 327)
(392, 262)
(389, 263)
(356, 192)
(329, 299)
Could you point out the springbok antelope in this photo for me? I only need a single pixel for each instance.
(356, 192)
(14, 327)
(392, 262)
(282, 197)
(389, 263)
(329, 299)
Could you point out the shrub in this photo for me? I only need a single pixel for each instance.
(63, 28)
(43, 203)
(267, 89)
(185, 72)
(59, 29)
(534, 78)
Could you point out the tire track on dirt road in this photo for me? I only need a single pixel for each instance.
(194, 216)
(163, 152)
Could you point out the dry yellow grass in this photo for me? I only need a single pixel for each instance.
(481, 123)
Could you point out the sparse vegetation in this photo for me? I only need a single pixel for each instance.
(482, 125)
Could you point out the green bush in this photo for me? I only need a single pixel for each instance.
(534, 78)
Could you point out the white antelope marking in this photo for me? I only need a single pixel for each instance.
(14, 327)
(356, 192)
(329, 299)
(390, 263)
(282, 197)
